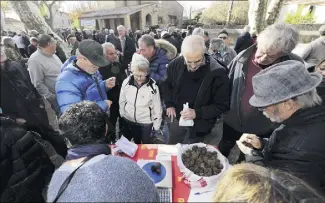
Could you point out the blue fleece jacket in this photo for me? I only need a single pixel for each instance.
(158, 65)
(75, 85)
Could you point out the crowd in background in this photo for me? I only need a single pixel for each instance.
(267, 100)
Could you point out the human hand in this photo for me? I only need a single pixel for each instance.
(110, 82)
(171, 113)
(188, 114)
(252, 140)
(109, 103)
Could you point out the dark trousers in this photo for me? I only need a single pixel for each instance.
(229, 138)
(114, 114)
(141, 133)
(181, 134)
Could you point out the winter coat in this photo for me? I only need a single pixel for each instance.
(141, 105)
(321, 91)
(297, 147)
(170, 49)
(20, 99)
(255, 122)
(314, 52)
(114, 40)
(159, 62)
(171, 39)
(24, 166)
(228, 55)
(129, 50)
(31, 49)
(75, 85)
(243, 42)
(212, 99)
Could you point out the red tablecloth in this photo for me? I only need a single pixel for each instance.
(181, 191)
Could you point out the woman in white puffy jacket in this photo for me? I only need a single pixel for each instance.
(140, 104)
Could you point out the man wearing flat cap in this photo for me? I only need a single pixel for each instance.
(80, 79)
(286, 94)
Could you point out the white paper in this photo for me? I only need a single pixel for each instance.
(170, 150)
(206, 195)
(163, 158)
(126, 146)
(183, 122)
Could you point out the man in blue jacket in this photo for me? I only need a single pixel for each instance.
(80, 80)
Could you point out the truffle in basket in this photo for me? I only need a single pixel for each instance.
(202, 162)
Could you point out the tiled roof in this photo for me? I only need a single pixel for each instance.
(113, 11)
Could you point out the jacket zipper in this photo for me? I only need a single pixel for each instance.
(150, 113)
(135, 104)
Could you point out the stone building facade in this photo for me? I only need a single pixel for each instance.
(133, 14)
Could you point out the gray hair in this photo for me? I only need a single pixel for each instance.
(247, 28)
(308, 100)
(198, 31)
(33, 39)
(120, 27)
(140, 63)
(111, 31)
(216, 44)
(44, 40)
(107, 45)
(193, 44)
(322, 30)
(106, 30)
(278, 37)
(148, 40)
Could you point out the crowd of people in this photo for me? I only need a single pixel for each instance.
(113, 83)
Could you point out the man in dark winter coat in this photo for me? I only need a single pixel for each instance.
(25, 168)
(22, 103)
(114, 69)
(274, 45)
(286, 94)
(244, 41)
(126, 47)
(199, 80)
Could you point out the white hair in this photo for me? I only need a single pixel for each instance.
(107, 45)
(216, 43)
(120, 27)
(247, 28)
(198, 31)
(308, 100)
(139, 63)
(193, 44)
(278, 37)
(111, 31)
(106, 30)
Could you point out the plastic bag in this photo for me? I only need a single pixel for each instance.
(183, 122)
(196, 181)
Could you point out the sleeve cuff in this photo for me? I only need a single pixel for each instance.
(198, 113)
(169, 104)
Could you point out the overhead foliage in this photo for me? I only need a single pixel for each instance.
(298, 18)
(218, 11)
(79, 9)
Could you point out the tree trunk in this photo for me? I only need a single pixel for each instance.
(229, 12)
(273, 11)
(30, 15)
(256, 14)
(3, 22)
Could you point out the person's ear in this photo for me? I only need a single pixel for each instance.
(288, 105)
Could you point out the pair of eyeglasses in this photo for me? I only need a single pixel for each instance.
(223, 38)
(137, 77)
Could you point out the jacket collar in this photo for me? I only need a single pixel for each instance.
(305, 116)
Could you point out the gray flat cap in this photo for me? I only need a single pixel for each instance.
(281, 82)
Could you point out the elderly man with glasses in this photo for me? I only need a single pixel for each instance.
(286, 94)
(274, 45)
(199, 80)
(220, 51)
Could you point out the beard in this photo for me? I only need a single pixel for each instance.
(274, 120)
